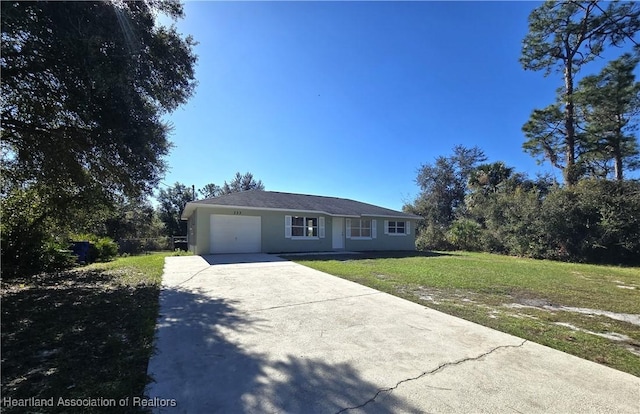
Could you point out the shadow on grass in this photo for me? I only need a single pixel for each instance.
(208, 361)
(391, 254)
(73, 335)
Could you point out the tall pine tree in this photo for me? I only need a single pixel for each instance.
(563, 36)
(610, 104)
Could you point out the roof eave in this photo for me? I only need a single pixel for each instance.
(403, 216)
(237, 207)
(191, 206)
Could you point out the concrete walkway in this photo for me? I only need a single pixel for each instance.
(255, 334)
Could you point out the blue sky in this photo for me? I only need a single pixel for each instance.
(349, 99)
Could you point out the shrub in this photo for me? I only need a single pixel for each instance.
(137, 246)
(56, 256)
(509, 221)
(521, 231)
(107, 249)
(156, 244)
(101, 249)
(432, 238)
(27, 236)
(464, 234)
(594, 221)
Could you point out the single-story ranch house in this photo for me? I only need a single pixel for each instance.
(273, 222)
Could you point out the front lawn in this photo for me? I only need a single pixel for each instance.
(586, 310)
(79, 334)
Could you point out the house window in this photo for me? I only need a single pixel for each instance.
(360, 228)
(304, 226)
(397, 227)
(298, 227)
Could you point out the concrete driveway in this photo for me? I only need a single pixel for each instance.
(256, 334)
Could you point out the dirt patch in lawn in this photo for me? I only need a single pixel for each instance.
(539, 315)
(436, 296)
(542, 304)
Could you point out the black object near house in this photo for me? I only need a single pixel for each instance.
(81, 249)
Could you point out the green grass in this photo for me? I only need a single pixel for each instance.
(510, 294)
(83, 333)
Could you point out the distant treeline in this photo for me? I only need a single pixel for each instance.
(469, 205)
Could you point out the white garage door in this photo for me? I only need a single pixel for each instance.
(235, 234)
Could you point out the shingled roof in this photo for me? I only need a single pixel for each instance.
(273, 200)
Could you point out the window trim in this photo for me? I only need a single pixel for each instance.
(373, 230)
(387, 225)
(308, 224)
(288, 227)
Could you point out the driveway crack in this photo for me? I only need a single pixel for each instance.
(192, 276)
(313, 301)
(433, 371)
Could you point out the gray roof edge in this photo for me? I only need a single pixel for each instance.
(195, 204)
(231, 207)
(285, 193)
(401, 215)
(211, 202)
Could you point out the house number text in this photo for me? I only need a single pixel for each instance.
(237, 213)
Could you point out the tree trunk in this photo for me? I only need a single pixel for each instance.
(617, 158)
(617, 169)
(617, 143)
(569, 173)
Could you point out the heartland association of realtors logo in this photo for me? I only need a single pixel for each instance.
(8, 402)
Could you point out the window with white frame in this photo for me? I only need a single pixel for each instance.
(304, 226)
(300, 227)
(361, 229)
(397, 227)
